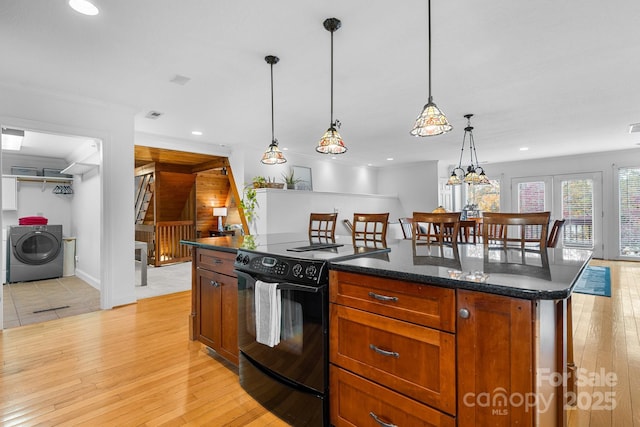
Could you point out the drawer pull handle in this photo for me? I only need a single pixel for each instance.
(464, 313)
(217, 261)
(379, 421)
(215, 284)
(382, 297)
(384, 352)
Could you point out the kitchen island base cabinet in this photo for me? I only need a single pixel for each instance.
(357, 402)
(486, 367)
(215, 302)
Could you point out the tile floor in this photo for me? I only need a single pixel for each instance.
(43, 300)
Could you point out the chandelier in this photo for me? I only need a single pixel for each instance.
(474, 174)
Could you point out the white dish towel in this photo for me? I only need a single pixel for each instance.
(268, 313)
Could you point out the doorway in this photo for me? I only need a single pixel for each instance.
(575, 197)
(55, 177)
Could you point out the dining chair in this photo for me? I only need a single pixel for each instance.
(436, 228)
(407, 227)
(468, 231)
(370, 229)
(519, 229)
(322, 227)
(552, 241)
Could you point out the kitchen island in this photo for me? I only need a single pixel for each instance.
(458, 337)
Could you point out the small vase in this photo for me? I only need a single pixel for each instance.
(291, 186)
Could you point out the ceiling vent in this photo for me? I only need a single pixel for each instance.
(180, 80)
(153, 115)
(634, 128)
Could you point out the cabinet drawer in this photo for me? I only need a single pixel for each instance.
(411, 359)
(219, 261)
(426, 305)
(355, 402)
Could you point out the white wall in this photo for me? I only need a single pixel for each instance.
(110, 256)
(415, 184)
(287, 211)
(327, 175)
(85, 226)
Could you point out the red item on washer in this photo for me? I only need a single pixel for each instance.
(33, 220)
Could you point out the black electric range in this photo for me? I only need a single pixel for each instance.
(289, 375)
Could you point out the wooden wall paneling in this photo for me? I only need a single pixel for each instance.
(212, 190)
(171, 193)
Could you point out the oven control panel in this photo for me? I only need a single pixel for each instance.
(282, 268)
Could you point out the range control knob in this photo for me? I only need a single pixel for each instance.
(311, 271)
(239, 258)
(297, 269)
(245, 260)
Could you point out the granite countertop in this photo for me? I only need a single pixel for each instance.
(220, 243)
(530, 274)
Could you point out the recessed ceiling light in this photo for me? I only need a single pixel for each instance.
(524, 148)
(333, 157)
(196, 132)
(369, 164)
(84, 7)
(389, 158)
(284, 148)
(634, 128)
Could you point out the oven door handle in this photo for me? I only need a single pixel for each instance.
(284, 285)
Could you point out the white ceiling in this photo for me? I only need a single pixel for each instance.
(559, 77)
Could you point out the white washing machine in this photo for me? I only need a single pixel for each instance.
(34, 252)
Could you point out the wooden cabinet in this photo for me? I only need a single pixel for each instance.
(215, 302)
(415, 354)
(386, 336)
(495, 360)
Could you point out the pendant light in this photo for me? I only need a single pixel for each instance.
(273, 155)
(431, 121)
(331, 142)
(474, 173)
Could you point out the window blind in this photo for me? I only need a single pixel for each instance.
(629, 199)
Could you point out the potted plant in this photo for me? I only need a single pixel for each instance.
(249, 204)
(290, 180)
(259, 181)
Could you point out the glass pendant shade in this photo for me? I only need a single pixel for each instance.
(431, 121)
(454, 179)
(331, 142)
(273, 155)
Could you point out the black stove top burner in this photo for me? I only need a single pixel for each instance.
(315, 246)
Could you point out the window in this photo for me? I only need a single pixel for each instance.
(577, 210)
(531, 196)
(629, 199)
(487, 197)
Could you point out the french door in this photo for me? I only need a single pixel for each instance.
(575, 197)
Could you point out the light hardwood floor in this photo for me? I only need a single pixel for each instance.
(135, 366)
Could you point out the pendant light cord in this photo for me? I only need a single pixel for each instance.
(429, 39)
(272, 126)
(331, 79)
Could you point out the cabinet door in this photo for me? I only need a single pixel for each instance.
(495, 345)
(228, 347)
(9, 194)
(208, 313)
